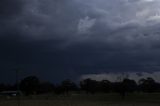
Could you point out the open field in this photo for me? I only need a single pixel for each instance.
(85, 100)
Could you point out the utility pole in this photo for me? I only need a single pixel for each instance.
(17, 87)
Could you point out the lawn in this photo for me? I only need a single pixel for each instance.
(85, 100)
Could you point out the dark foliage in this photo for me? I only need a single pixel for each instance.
(105, 86)
(89, 85)
(30, 85)
(46, 87)
(149, 85)
(65, 87)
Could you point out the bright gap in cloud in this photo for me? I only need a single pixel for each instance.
(120, 76)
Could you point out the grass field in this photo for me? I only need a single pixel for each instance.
(85, 100)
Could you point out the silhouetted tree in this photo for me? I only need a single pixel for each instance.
(129, 85)
(65, 87)
(126, 86)
(58, 89)
(29, 85)
(89, 85)
(2, 87)
(116, 86)
(68, 85)
(46, 87)
(148, 85)
(105, 86)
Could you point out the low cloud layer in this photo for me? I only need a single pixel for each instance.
(116, 77)
(58, 39)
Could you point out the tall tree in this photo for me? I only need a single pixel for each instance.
(88, 85)
(129, 85)
(46, 87)
(148, 85)
(105, 86)
(29, 85)
(66, 87)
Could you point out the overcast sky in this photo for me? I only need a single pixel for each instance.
(59, 39)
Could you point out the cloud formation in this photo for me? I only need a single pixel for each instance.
(116, 77)
(77, 37)
(85, 25)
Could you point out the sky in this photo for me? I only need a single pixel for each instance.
(60, 39)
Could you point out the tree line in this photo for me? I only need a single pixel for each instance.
(32, 85)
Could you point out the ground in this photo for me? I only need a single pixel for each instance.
(140, 99)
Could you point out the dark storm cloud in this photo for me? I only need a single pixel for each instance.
(57, 39)
(10, 8)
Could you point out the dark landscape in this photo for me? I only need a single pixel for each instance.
(79, 52)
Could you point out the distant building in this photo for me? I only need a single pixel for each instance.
(10, 93)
